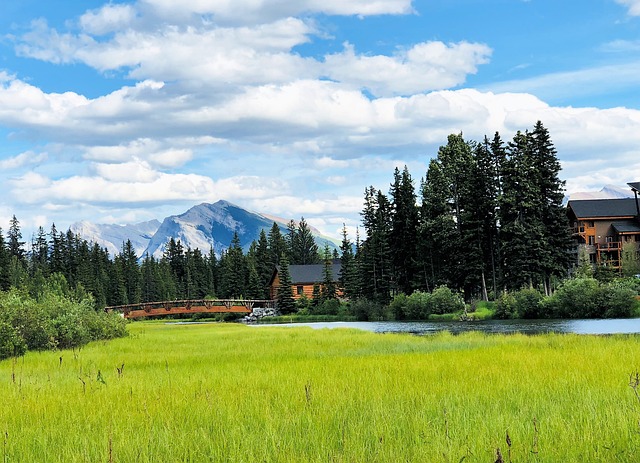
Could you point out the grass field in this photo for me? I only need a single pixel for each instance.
(230, 393)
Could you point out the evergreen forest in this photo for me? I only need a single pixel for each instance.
(486, 219)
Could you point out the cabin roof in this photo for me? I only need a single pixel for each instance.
(313, 273)
(602, 208)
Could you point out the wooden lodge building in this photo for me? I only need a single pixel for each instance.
(602, 227)
(304, 278)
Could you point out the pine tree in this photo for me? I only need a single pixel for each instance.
(263, 264)
(284, 297)
(347, 277)
(5, 260)
(328, 281)
(375, 254)
(404, 226)
(14, 238)
(130, 272)
(234, 270)
(277, 245)
(304, 248)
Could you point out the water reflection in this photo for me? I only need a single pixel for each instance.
(609, 326)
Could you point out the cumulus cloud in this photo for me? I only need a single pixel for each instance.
(425, 66)
(632, 5)
(107, 19)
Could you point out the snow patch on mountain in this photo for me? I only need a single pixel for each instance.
(112, 236)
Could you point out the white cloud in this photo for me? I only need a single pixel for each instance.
(425, 66)
(107, 19)
(23, 159)
(633, 5)
(244, 11)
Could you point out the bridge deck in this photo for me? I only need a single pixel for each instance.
(152, 309)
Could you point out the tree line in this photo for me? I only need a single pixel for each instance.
(180, 273)
(487, 217)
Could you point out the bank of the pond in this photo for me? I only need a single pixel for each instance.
(229, 392)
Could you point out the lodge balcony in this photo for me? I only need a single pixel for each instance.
(610, 246)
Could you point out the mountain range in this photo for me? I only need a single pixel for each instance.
(204, 226)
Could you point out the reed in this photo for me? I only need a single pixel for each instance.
(222, 392)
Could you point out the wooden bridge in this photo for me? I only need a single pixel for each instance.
(154, 309)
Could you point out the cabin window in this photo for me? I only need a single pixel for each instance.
(300, 290)
(592, 240)
(590, 224)
(592, 258)
(637, 238)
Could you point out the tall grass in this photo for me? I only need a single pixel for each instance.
(232, 393)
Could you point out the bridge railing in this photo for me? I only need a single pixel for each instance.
(179, 306)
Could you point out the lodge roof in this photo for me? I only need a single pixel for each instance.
(601, 208)
(313, 273)
(626, 227)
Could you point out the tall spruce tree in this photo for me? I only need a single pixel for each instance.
(304, 249)
(404, 226)
(375, 261)
(329, 290)
(284, 297)
(5, 260)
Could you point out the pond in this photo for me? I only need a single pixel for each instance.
(608, 326)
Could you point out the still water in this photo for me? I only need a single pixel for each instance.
(609, 326)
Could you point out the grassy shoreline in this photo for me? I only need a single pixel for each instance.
(226, 392)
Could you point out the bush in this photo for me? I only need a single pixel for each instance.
(528, 303)
(365, 310)
(443, 300)
(575, 298)
(618, 300)
(506, 306)
(53, 320)
(398, 306)
(11, 343)
(418, 306)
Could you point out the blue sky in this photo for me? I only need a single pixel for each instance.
(124, 111)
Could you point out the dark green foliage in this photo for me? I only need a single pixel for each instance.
(443, 300)
(284, 298)
(506, 306)
(589, 298)
(303, 248)
(404, 226)
(329, 289)
(374, 257)
(529, 303)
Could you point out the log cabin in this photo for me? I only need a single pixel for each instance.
(304, 278)
(603, 227)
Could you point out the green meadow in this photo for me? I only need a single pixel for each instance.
(232, 393)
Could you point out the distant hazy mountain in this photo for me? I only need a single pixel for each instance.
(607, 192)
(112, 236)
(204, 227)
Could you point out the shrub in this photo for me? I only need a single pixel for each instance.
(506, 306)
(398, 306)
(528, 303)
(443, 300)
(618, 300)
(418, 307)
(11, 343)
